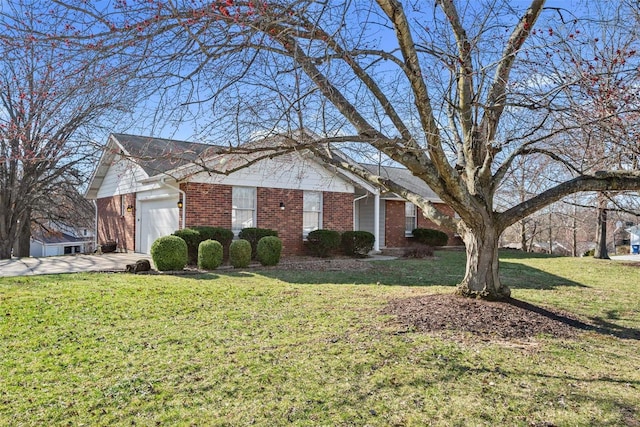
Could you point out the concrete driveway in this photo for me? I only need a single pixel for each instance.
(68, 264)
(630, 257)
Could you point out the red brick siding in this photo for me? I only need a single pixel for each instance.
(395, 221)
(337, 211)
(210, 204)
(207, 204)
(114, 226)
(287, 222)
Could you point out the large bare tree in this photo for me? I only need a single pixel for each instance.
(453, 90)
(52, 98)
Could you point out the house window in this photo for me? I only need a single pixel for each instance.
(243, 212)
(311, 212)
(410, 218)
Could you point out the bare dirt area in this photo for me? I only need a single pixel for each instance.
(506, 320)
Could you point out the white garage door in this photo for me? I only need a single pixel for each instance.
(157, 218)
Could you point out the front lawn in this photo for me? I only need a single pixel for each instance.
(270, 347)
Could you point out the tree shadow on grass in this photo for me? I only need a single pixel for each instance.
(597, 324)
(445, 269)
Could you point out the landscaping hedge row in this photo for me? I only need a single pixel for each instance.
(323, 243)
(193, 236)
(207, 247)
(172, 252)
(430, 237)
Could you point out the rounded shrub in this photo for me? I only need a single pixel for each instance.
(430, 237)
(169, 253)
(253, 236)
(192, 238)
(240, 253)
(269, 250)
(209, 255)
(219, 234)
(322, 243)
(357, 243)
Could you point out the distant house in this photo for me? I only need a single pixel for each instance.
(634, 238)
(66, 231)
(54, 242)
(146, 187)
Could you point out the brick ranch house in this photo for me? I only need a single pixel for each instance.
(144, 188)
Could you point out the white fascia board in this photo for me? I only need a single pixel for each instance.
(393, 196)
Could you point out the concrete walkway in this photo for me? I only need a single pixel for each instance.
(68, 264)
(629, 257)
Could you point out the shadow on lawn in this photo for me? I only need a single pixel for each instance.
(598, 325)
(446, 269)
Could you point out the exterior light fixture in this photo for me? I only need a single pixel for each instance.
(281, 206)
(129, 209)
(180, 204)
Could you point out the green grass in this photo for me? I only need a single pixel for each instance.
(270, 347)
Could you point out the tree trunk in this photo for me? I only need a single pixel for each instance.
(23, 241)
(574, 250)
(5, 248)
(481, 277)
(523, 237)
(6, 237)
(601, 237)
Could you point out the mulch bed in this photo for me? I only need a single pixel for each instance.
(507, 320)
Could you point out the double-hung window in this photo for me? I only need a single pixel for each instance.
(410, 218)
(311, 212)
(243, 211)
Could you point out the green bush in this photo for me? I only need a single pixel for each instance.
(253, 236)
(322, 243)
(209, 254)
(169, 253)
(219, 234)
(269, 250)
(240, 253)
(430, 237)
(357, 243)
(192, 239)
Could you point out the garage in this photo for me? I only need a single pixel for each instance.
(158, 217)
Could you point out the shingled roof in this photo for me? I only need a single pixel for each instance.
(404, 178)
(158, 155)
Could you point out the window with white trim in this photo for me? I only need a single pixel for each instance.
(311, 212)
(243, 208)
(410, 218)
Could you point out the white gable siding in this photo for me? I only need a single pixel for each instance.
(122, 177)
(289, 172)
